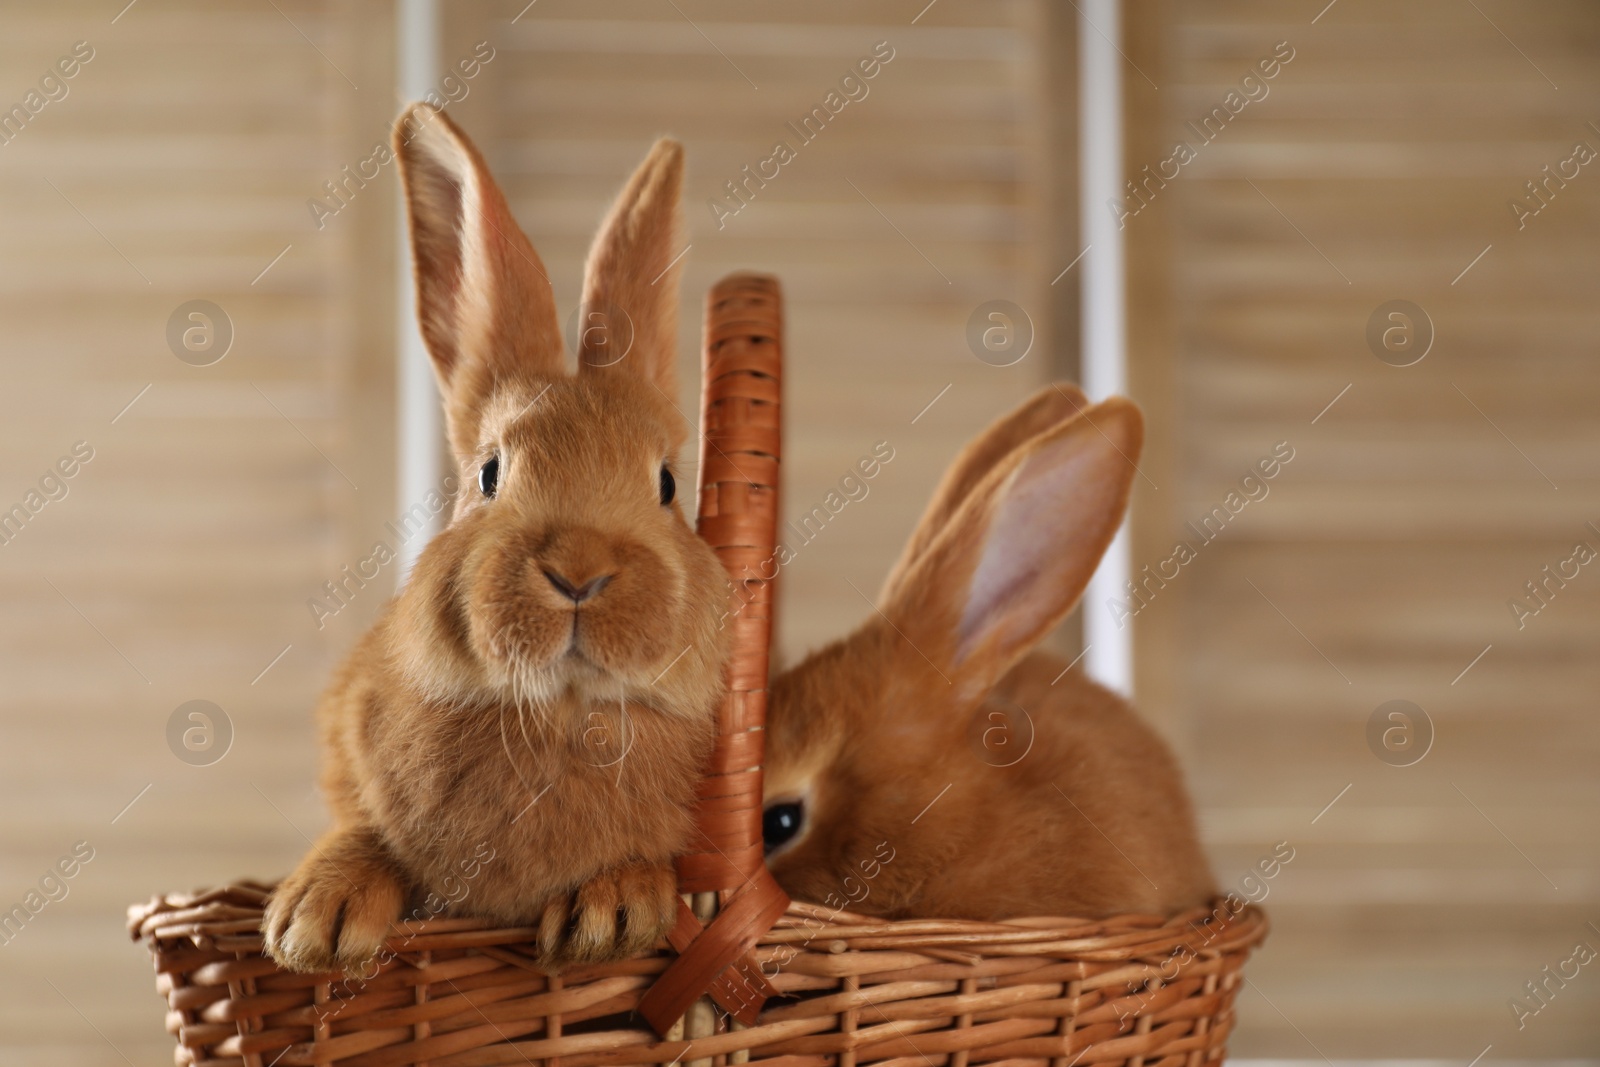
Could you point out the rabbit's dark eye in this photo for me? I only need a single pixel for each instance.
(489, 476)
(781, 822)
(669, 487)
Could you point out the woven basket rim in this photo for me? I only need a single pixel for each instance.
(228, 917)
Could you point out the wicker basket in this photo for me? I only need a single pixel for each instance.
(453, 992)
(815, 987)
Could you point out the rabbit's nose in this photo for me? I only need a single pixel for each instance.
(575, 592)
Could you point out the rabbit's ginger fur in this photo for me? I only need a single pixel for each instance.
(522, 731)
(868, 733)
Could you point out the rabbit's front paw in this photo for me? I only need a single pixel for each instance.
(616, 914)
(333, 913)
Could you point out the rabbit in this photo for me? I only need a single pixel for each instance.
(932, 764)
(524, 727)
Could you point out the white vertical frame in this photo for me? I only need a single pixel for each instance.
(420, 424)
(1108, 656)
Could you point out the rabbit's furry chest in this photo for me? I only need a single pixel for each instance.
(553, 794)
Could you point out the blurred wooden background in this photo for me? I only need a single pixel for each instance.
(178, 565)
(1379, 167)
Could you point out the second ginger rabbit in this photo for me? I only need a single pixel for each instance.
(932, 764)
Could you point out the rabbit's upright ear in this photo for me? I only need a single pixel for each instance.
(1017, 553)
(630, 286)
(1050, 406)
(483, 297)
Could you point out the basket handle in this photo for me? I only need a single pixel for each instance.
(740, 446)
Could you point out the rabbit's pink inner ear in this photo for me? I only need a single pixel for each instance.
(630, 287)
(1051, 406)
(483, 297)
(1057, 512)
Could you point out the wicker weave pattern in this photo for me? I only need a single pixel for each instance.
(1135, 990)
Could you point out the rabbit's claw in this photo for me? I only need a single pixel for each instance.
(333, 913)
(618, 913)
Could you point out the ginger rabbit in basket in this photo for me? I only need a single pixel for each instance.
(527, 722)
(1060, 800)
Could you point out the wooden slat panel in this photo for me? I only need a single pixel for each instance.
(181, 162)
(1380, 564)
